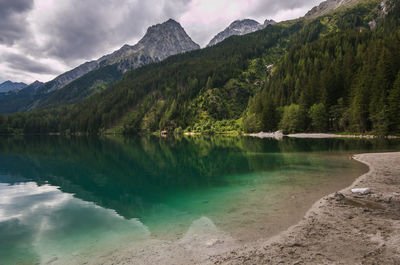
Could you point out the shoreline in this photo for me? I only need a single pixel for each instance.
(340, 228)
(206, 237)
(279, 135)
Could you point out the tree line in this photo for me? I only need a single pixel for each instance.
(332, 73)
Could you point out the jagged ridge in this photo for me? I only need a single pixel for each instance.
(159, 42)
(239, 27)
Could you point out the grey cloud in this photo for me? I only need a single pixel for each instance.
(15, 6)
(269, 8)
(13, 24)
(23, 63)
(86, 29)
(73, 31)
(260, 11)
(2, 78)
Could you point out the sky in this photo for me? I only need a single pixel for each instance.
(40, 39)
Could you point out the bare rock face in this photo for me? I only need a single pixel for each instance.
(268, 22)
(239, 27)
(326, 7)
(69, 76)
(159, 42)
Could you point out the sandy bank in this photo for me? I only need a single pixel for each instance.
(331, 135)
(279, 135)
(338, 229)
(349, 229)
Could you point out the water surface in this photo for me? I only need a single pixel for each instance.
(78, 198)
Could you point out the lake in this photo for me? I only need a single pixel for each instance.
(66, 200)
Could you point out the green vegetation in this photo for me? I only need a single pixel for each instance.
(84, 86)
(293, 119)
(319, 117)
(332, 73)
(343, 81)
(199, 87)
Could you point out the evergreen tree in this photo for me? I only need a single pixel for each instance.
(319, 117)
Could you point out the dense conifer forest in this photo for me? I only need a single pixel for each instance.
(347, 80)
(337, 73)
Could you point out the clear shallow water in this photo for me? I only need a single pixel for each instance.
(80, 198)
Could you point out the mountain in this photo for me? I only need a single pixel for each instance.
(239, 27)
(9, 85)
(159, 42)
(328, 6)
(19, 100)
(333, 73)
(268, 22)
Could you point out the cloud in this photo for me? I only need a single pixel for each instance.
(77, 30)
(23, 67)
(24, 63)
(56, 36)
(205, 18)
(13, 24)
(271, 8)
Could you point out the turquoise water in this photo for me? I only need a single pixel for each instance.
(78, 198)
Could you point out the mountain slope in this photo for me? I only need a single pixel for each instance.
(349, 80)
(9, 85)
(159, 42)
(308, 74)
(13, 101)
(239, 27)
(328, 6)
(158, 95)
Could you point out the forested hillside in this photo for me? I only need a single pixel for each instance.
(347, 80)
(339, 72)
(161, 95)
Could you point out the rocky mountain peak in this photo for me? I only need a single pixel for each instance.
(159, 42)
(36, 83)
(239, 27)
(168, 38)
(240, 24)
(269, 22)
(326, 7)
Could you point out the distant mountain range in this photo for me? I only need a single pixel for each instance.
(9, 85)
(337, 72)
(17, 100)
(159, 42)
(239, 27)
